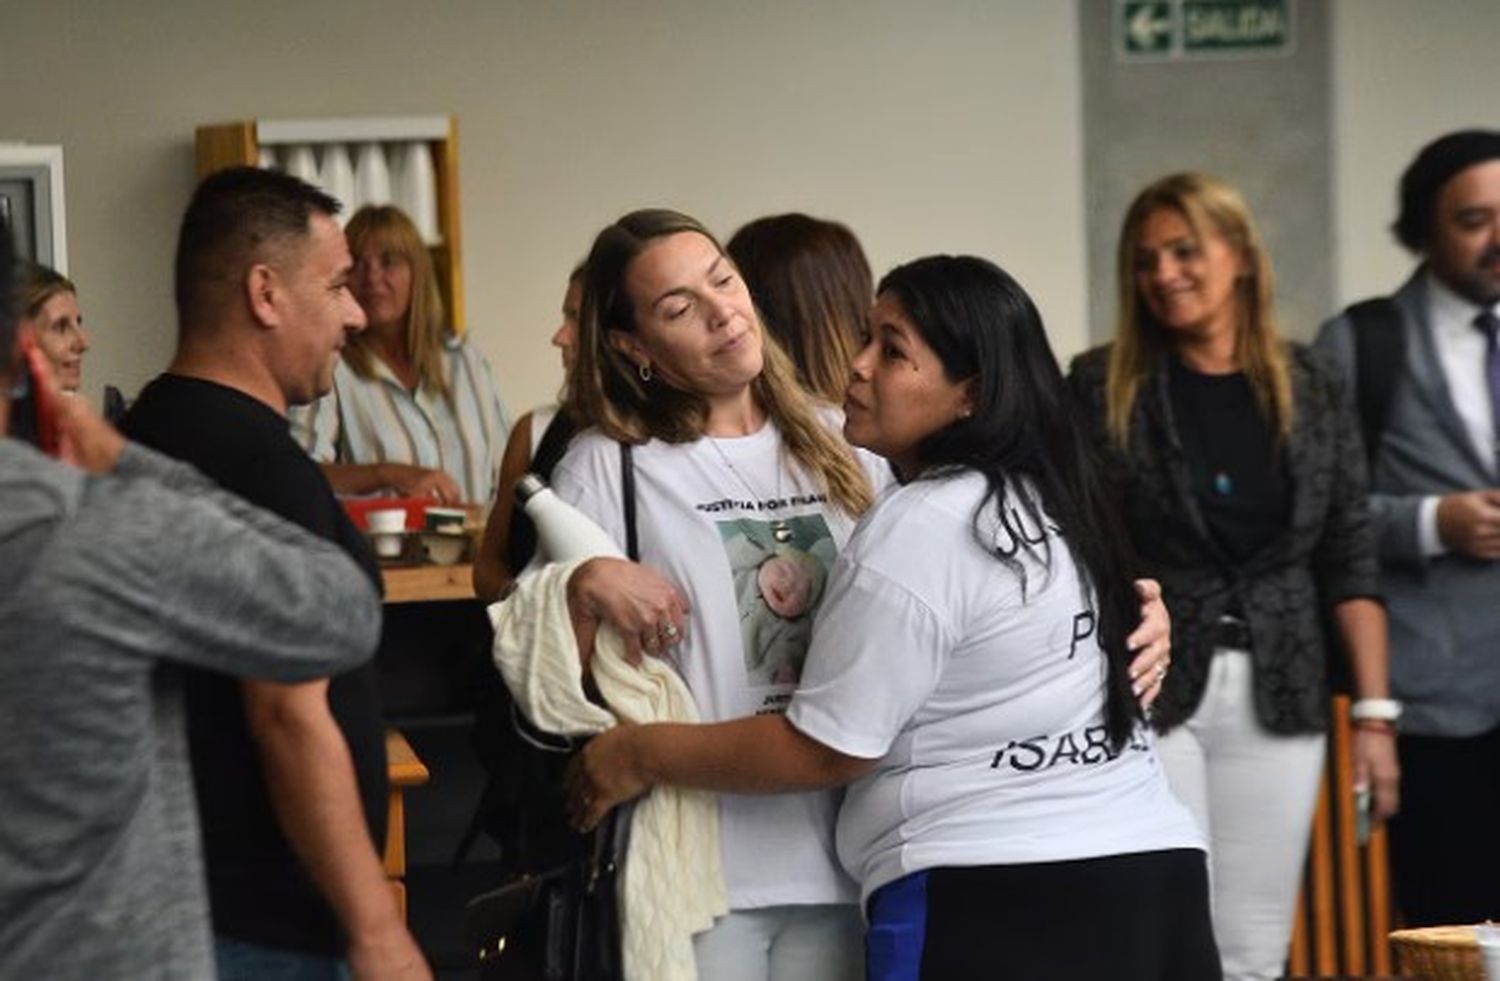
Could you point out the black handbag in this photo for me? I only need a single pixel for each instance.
(562, 923)
(559, 925)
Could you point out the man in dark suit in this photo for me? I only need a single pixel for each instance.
(1436, 495)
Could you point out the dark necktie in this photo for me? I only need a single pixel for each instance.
(1489, 325)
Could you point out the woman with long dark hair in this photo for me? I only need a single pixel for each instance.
(968, 675)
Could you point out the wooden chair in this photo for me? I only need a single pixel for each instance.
(404, 770)
(1344, 909)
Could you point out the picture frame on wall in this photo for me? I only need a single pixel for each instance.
(32, 202)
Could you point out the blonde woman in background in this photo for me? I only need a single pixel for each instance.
(50, 312)
(414, 410)
(1244, 485)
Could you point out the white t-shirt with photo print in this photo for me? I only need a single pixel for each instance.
(746, 535)
(981, 698)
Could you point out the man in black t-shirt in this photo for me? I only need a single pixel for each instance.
(290, 779)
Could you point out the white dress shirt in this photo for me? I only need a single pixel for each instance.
(1461, 351)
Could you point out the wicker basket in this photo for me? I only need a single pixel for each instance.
(1443, 953)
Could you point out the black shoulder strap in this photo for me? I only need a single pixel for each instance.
(1379, 346)
(627, 488)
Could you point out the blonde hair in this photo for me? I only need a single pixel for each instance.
(386, 228)
(607, 392)
(1209, 206)
(40, 284)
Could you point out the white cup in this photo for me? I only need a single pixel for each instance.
(265, 158)
(300, 163)
(386, 521)
(372, 180)
(387, 546)
(414, 187)
(337, 176)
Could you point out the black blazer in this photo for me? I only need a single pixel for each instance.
(1325, 554)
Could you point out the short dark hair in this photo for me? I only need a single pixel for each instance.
(1024, 432)
(1436, 164)
(237, 217)
(9, 300)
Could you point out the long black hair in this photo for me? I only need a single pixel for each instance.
(1023, 434)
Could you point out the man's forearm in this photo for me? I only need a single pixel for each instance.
(309, 776)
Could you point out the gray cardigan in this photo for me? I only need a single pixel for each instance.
(105, 584)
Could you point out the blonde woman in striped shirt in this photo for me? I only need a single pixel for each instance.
(414, 410)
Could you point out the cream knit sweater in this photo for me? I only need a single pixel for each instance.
(672, 880)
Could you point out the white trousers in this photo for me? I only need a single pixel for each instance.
(784, 943)
(1253, 795)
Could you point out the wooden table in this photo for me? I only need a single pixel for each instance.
(403, 769)
(424, 583)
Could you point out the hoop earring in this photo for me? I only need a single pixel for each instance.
(644, 371)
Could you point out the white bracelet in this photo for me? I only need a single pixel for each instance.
(1375, 710)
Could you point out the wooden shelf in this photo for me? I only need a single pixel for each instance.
(238, 143)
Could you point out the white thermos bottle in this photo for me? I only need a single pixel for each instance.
(563, 532)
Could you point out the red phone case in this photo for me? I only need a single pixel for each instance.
(48, 438)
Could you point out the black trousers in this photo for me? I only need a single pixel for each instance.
(1445, 843)
(1141, 917)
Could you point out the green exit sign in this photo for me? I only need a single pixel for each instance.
(1236, 25)
(1147, 28)
(1158, 30)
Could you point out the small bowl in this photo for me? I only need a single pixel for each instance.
(443, 548)
(444, 519)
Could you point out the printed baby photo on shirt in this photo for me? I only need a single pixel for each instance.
(780, 568)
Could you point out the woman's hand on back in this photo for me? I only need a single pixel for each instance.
(1151, 643)
(649, 613)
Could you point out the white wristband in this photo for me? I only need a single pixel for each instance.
(1375, 710)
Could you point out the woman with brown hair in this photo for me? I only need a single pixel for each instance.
(414, 409)
(537, 441)
(812, 285)
(1244, 485)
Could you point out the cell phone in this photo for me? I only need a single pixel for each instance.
(33, 406)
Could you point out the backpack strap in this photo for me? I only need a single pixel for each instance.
(1379, 348)
(627, 490)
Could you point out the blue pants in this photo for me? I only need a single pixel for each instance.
(242, 961)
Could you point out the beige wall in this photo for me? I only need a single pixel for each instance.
(937, 126)
(1403, 74)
